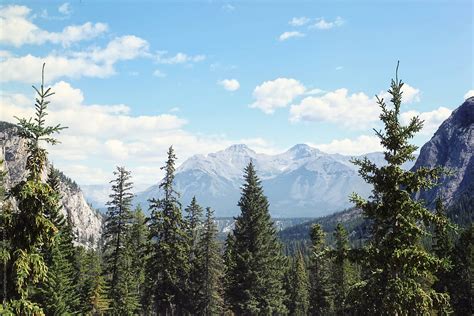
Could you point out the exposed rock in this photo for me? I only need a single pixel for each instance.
(87, 222)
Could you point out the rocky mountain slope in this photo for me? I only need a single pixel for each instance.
(452, 146)
(301, 182)
(87, 222)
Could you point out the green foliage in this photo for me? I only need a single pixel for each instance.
(298, 303)
(254, 264)
(320, 291)
(168, 266)
(118, 251)
(399, 266)
(29, 229)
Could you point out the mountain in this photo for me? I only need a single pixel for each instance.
(301, 182)
(452, 146)
(87, 222)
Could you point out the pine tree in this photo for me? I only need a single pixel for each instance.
(341, 269)
(442, 248)
(194, 223)
(168, 265)
(255, 274)
(29, 230)
(299, 286)
(118, 256)
(57, 295)
(397, 262)
(138, 245)
(320, 296)
(462, 274)
(210, 264)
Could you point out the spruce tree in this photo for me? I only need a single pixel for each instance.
(210, 264)
(442, 248)
(28, 228)
(168, 265)
(193, 220)
(256, 260)
(117, 253)
(299, 287)
(398, 263)
(341, 269)
(320, 292)
(57, 294)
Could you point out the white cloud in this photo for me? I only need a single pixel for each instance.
(314, 91)
(158, 73)
(469, 94)
(277, 93)
(97, 62)
(300, 21)
(351, 110)
(322, 24)
(229, 84)
(432, 119)
(65, 8)
(179, 58)
(361, 145)
(287, 35)
(17, 29)
(107, 138)
(228, 7)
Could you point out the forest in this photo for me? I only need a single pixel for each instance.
(406, 260)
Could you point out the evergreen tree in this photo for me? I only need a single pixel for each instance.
(57, 294)
(211, 267)
(341, 269)
(29, 229)
(442, 248)
(168, 265)
(462, 275)
(193, 229)
(256, 260)
(118, 256)
(138, 245)
(320, 296)
(398, 264)
(299, 287)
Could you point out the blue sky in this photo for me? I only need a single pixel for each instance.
(136, 77)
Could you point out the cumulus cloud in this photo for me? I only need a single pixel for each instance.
(96, 62)
(361, 145)
(158, 73)
(180, 58)
(287, 35)
(65, 8)
(322, 24)
(299, 21)
(277, 93)
(469, 94)
(432, 119)
(355, 110)
(229, 84)
(108, 139)
(17, 29)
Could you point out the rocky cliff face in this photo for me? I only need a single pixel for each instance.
(452, 146)
(87, 222)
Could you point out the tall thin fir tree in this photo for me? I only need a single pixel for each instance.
(256, 285)
(210, 264)
(193, 220)
(299, 280)
(398, 263)
(341, 269)
(118, 260)
(28, 228)
(168, 265)
(320, 291)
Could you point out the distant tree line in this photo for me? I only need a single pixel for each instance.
(172, 263)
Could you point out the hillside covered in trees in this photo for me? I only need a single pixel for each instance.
(389, 255)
